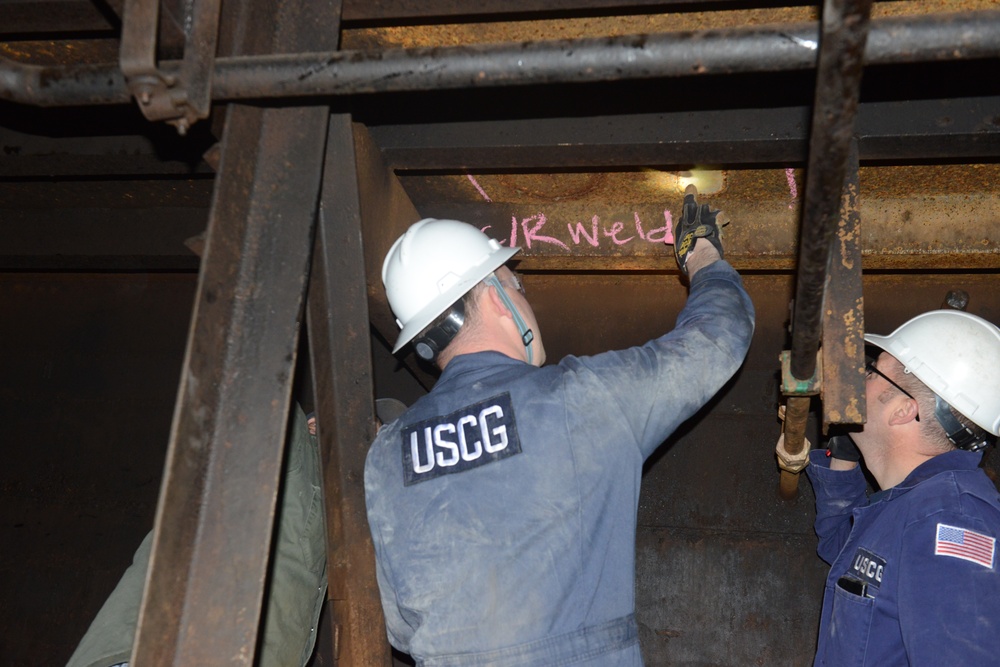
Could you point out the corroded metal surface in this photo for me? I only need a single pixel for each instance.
(606, 286)
(838, 88)
(205, 585)
(939, 129)
(444, 33)
(912, 130)
(796, 415)
(751, 49)
(217, 500)
(341, 356)
(909, 215)
(188, 31)
(386, 212)
(843, 318)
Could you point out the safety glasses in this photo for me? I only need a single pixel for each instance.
(870, 368)
(515, 282)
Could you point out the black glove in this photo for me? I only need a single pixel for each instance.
(843, 448)
(696, 222)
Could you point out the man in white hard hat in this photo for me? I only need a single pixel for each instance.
(503, 503)
(913, 578)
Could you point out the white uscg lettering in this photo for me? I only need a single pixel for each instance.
(868, 567)
(465, 439)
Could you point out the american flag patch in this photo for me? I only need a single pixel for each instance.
(964, 543)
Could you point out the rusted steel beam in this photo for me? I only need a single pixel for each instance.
(618, 221)
(912, 130)
(909, 213)
(387, 10)
(843, 351)
(59, 17)
(942, 37)
(341, 357)
(212, 537)
(838, 84)
(386, 212)
(217, 500)
(841, 380)
(73, 16)
(179, 20)
(915, 129)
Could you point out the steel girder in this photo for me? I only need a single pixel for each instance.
(203, 598)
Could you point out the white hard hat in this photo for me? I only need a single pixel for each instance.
(432, 266)
(957, 355)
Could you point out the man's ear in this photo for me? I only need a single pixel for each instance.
(496, 303)
(905, 412)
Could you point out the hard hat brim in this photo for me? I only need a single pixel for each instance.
(881, 342)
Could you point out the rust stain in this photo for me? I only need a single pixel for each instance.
(670, 634)
(454, 34)
(854, 415)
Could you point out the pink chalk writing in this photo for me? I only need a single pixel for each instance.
(479, 187)
(532, 234)
(529, 232)
(792, 187)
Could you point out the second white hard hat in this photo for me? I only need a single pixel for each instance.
(957, 355)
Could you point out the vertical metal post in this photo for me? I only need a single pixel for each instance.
(215, 514)
(340, 349)
(844, 32)
(838, 84)
(842, 383)
(843, 357)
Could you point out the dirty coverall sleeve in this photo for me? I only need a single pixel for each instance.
(838, 492)
(659, 385)
(297, 576)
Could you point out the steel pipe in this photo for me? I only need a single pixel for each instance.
(794, 429)
(939, 37)
(838, 84)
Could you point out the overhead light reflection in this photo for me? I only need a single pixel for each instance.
(708, 181)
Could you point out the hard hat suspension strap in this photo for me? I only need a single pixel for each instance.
(526, 334)
(963, 437)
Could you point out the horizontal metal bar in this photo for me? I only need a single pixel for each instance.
(939, 37)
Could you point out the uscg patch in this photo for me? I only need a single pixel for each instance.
(468, 438)
(868, 568)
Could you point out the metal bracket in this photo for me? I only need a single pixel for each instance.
(792, 386)
(180, 97)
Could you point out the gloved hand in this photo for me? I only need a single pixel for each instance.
(696, 222)
(843, 448)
